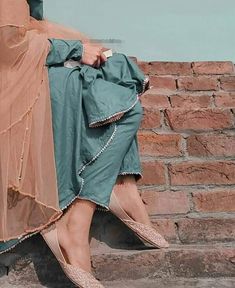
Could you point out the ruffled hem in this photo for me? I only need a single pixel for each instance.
(26, 236)
(116, 116)
(54, 217)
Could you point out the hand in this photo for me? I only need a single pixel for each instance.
(93, 54)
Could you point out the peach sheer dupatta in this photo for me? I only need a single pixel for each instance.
(28, 187)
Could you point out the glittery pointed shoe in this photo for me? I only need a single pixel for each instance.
(144, 232)
(78, 276)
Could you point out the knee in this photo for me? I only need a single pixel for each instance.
(135, 116)
(132, 117)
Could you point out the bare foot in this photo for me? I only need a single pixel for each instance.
(130, 200)
(73, 233)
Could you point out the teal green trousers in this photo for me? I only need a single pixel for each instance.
(120, 157)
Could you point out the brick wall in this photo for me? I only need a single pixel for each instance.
(187, 146)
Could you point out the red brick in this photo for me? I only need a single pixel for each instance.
(228, 83)
(205, 119)
(153, 173)
(214, 201)
(154, 100)
(225, 99)
(166, 227)
(211, 145)
(206, 230)
(163, 82)
(197, 83)
(190, 173)
(166, 202)
(190, 101)
(213, 67)
(170, 68)
(144, 66)
(151, 118)
(153, 144)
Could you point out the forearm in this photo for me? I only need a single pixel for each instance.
(63, 50)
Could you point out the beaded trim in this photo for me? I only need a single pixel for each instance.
(105, 146)
(122, 173)
(126, 173)
(101, 209)
(88, 163)
(23, 148)
(76, 197)
(22, 117)
(106, 122)
(144, 84)
(20, 240)
(34, 233)
(84, 198)
(123, 111)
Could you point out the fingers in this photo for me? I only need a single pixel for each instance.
(97, 63)
(103, 58)
(105, 49)
(100, 60)
(93, 55)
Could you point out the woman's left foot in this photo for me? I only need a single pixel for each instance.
(127, 205)
(130, 200)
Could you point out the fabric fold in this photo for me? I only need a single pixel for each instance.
(112, 90)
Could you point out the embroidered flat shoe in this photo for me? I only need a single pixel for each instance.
(78, 276)
(144, 232)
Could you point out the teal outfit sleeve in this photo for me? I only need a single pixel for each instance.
(36, 9)
(61, 51)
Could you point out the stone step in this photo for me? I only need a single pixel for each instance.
(173, 283)
(148, 283)
(187, 261)
(31, 262)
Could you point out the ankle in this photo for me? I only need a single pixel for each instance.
(79, 229)
(78, 255)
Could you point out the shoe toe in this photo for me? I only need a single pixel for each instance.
(81, 277)
(148, 233)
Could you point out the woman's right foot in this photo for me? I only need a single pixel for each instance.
(130, 200)
(80, 277)
(75, 254)
(127, 205)
(73, 233)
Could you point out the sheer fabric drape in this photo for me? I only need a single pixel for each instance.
(28, 188)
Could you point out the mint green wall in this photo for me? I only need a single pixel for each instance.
(164, 30)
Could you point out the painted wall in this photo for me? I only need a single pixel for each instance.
(164, 30)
